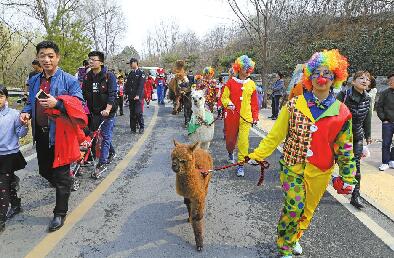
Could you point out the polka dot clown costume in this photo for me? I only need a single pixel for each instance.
(209, 85)
(240, 101)
(317, 133)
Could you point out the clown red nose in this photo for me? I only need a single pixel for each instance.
(321, 80)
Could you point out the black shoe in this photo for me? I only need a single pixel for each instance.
(356, 201)
(56, 223)
(121, 114)
(270, 116)
(111, 157)
(273, 118)
(133, 131)
(2, 225)
(141, 130)
(13, 211)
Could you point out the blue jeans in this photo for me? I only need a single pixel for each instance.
(160, 94)
(387, 137)
(106, 146)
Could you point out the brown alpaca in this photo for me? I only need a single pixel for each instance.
(187, 162)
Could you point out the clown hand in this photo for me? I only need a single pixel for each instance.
(231, 106)
(340, 186)
(251, 161)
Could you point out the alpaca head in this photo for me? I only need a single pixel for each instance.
(198, 99)
(182, 157)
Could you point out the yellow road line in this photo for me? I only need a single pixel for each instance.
(48, 243)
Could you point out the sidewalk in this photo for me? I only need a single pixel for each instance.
(376, 187)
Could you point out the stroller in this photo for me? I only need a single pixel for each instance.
(90, 148)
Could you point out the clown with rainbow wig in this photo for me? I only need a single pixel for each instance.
(240, 101)
(317, 130)
(208, 84)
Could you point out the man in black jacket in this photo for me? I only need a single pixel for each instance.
(385, 110)
(99, 91)
(134, 89)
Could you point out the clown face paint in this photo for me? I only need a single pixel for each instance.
(322, 79)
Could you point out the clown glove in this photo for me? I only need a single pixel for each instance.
(251, 161)
(340, 186)
(231, 105)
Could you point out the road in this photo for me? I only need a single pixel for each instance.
(135, 212)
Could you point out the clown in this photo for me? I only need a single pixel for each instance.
(209, 85)
(240, 101)
(148, 89)
(160, 83)
(318, 132)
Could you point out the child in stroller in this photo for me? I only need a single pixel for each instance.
(90, 149)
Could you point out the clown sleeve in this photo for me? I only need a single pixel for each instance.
(277, 134)
(343, 149)
(254, 102)
(226, 96)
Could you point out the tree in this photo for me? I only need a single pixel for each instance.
(105, 23)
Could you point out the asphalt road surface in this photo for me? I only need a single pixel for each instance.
(137, 213)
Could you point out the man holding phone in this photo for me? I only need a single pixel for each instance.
(44, 88)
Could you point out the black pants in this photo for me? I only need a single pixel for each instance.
(8, 193)
(120, 104)
(187, 107)
(275, 105)
(136, 115)
(59, 177)
(358, 151)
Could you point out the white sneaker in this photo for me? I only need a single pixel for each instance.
(297, 248)
(383, 167)
(240, 171)
(391, 164)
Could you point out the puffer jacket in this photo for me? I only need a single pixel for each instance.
(385, 105)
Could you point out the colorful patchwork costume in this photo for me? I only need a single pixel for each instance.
(209, 85)
(239, 98)
(317, 134)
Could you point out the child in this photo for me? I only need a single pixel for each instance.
(11, 159)
(359, 103)
(120, 94)
(148, 89)
(318, 132)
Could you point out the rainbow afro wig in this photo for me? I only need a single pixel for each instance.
(333, 60)
(208, 71)
(243, 63)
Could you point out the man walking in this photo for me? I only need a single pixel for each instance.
(55, 83)
(99, 90)
(385, 110)
(134, 89)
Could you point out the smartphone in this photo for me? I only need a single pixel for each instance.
(42, 95)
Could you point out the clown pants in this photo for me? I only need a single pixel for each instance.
(237, 128)
(303, 186)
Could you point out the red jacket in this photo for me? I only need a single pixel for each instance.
(69, 132)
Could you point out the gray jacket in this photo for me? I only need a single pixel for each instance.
(11, 129)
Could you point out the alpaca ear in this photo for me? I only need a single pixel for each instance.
(194, 146)
(176, 143)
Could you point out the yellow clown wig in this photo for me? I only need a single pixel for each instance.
(244, 63)
(208, 71)
(333, 60)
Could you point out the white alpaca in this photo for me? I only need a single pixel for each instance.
(202, 119)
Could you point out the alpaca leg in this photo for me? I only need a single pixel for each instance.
(198, 223)
(188, 205)
(203, 145)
